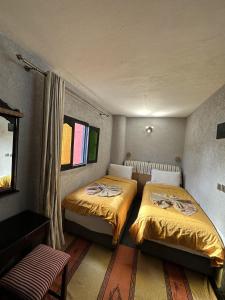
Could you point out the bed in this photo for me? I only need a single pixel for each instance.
(99, 218)
(5, 182)
(189, 240)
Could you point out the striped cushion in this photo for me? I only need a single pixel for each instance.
(34, 274)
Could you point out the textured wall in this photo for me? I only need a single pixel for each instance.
(118, 150)
(24, 91)
(162, 145)
(139, 56)
(72, 179)
(204, 158)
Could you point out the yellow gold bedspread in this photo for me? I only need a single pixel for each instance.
(112, 209)
(195, 232)
(5, 182)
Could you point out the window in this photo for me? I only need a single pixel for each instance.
(74, 143)
(93, 144)
(79, 144)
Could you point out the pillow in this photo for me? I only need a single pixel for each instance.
(120, 171)
(167, 177)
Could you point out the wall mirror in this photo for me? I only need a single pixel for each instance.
(9, 132)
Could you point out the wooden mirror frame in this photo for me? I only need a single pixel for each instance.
(6, 111)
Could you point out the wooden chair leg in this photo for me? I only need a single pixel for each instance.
(64, 283)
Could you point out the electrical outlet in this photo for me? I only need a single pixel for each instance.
(221, 187)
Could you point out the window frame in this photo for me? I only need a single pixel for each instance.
(71, 121)
(89, 161)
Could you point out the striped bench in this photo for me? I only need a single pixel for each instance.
(33, 276)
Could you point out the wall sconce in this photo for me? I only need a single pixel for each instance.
(178, 159)
(128, 156)
(148, 129)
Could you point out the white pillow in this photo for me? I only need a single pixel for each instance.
(120, 171)
(167, 177)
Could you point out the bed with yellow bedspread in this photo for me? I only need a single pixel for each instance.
(195, 232)
(5, 182)
(112, 209)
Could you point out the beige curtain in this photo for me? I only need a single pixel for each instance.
(50, 193)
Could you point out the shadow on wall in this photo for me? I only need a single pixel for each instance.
(35, 130)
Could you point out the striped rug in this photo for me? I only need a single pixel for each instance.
(126, 274)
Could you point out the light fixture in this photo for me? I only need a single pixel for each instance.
(128, 156)
(148, 129)
(178, 159)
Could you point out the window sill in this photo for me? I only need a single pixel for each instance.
(69, 167)
(8, 192)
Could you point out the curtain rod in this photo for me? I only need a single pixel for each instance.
(101, 113)
(28, 66)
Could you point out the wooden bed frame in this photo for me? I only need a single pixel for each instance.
(186, 259)
(96, 237)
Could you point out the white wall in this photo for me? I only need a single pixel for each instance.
(162, 145)
(24, 91)
(204, 158)
(74, 178)
(118, 150)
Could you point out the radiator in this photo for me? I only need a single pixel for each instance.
(145, 167)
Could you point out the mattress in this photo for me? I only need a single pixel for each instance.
(110, 209)
(5, 182)
(194, 232)
(92, 223)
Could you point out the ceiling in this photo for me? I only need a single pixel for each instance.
(140, 57)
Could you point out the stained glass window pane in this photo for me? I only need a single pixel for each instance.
(66, 144)
(79, 144)
(93, 144)
(86, 145)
